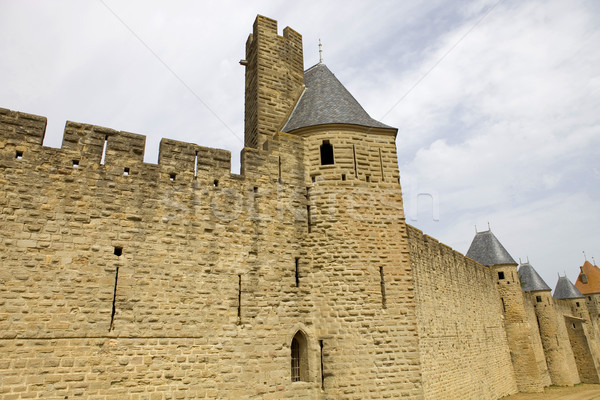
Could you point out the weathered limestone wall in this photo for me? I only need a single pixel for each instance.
(361, 271)
(519, 330)
(583, 338)
(274, 79)
(361, 154)
(216, 273)
(463, 345)
(538, 349)
(559, 356)
(202, 300)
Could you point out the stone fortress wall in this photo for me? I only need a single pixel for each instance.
(462, 339)
(127, 280)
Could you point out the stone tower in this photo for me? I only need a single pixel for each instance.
(581, 331)
(487, 250)
(353, 274)
(559, 356)
(274, 79)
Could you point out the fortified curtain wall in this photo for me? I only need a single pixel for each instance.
(125, 279)
(582, 336)
(462, 341)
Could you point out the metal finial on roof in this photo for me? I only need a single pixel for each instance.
(520, 262)
(593, 260)
(489, 229)
(320, 52)
(475, 229)
(527, 259)
(584, 256)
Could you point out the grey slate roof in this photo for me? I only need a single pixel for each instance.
(566, 290)
(530, 279)
(326, 101)
(487, 250)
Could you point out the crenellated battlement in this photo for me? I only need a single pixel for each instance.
(118, 152)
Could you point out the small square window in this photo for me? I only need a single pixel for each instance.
(577, 303)
(75, 163)
(126, 171)
(118, 251)
(538, 299)
(19, 155)
(215, 183)
(172, 176)
(500, 275)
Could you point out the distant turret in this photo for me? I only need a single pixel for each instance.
(559, 356)
(487, 250)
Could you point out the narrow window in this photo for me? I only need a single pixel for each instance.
(255, 189)
(573, 326)
(343, 177)
(381, 165)
(279, 176)
(75, 163)
(299, 357)
(118, 251)
(196, 165)
(104, 150)
(322, 373)
(126, 171)
(308, 218)
(19, 155)
(355, 166)
(538, 299)
(114, 302)
(326, 153)
(172, 176)
(577, 303)
(503, 305)
(313, 178)
(216, 183)
(239, 308)
(295, 360)
(297, 272)
(368, 178)
(382, 284)
(500, 275)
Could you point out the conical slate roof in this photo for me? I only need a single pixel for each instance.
(531, 281)
(589, 284)
(566, 290)
(326, 101)
(487, 250)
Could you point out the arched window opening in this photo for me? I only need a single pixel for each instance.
(326, 153)
(299, 354)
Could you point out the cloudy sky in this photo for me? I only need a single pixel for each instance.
(497, 102)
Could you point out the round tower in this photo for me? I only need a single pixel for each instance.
(487, 250)
(582, 334)
(356, 237)
(559, 356)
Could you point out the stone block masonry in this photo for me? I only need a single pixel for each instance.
(122, 279)
(296, 279)
(462, 341)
